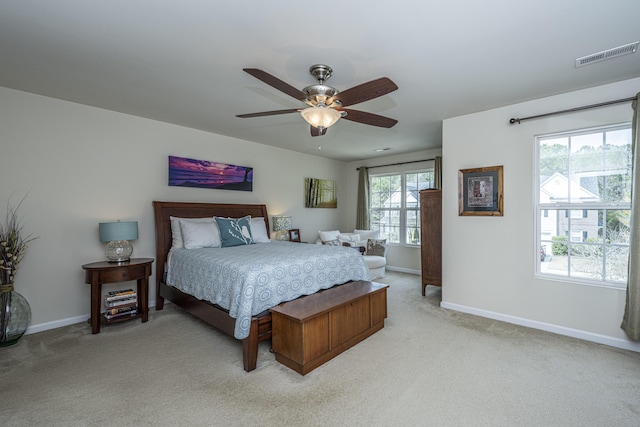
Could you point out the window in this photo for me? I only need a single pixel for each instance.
(583, 205)
(395, 205)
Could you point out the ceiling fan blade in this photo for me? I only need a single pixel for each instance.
(317, 132)
(365, 92)
(276, 83)
(268, 113)
(369, 118)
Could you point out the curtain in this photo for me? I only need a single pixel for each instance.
(437, 173)
(362, 213)
(631, 319)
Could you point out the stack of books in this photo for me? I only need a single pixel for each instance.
(119, 304)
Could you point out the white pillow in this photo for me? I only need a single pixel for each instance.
(259, 230)
(176, 231)
(349, 237)
(200, 234)
(327, 236)
(367, 234)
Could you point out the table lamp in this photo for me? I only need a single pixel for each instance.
(117, 235)
(281, 223)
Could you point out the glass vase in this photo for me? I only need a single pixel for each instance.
(15, 317)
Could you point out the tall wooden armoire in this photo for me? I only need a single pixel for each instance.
(431, 237)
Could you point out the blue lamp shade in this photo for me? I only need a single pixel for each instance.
(117, 235)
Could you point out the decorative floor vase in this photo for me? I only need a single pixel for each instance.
(15, 316)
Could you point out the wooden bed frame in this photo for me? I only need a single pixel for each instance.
(212, 314)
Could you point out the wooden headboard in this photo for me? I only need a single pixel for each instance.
(164, 210)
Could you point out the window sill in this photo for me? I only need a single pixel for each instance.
(581, 282)
(404, 245)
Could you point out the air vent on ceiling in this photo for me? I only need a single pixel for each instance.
(607, 54)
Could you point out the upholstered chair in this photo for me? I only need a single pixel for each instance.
(373, 249)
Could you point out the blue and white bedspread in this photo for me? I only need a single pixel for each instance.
(248, 279)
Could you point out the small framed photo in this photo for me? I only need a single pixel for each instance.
(480, 191)
(294, 235)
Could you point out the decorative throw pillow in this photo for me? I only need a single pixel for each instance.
(334, 242)
(376, 247)
(235, 231)
(196, 234)
(259, 231)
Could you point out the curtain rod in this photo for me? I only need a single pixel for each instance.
(396, 164)
(571, 110)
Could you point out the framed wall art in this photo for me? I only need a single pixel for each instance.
(320, 193)
(185, 172)
(480, 191)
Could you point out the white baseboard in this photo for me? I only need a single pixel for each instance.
(625, 344)
(403, 270)
(41, 327)
(33, 329)
(560, 330)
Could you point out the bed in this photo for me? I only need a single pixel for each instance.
(256, 327)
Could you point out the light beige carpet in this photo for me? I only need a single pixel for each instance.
(427, 367)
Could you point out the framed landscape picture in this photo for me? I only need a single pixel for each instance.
(320, 193)
(185, 172)
(480, 191)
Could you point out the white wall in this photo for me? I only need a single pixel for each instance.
(399, 257)
(489, 262)
(81, 165)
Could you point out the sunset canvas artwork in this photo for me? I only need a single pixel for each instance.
(184, 172)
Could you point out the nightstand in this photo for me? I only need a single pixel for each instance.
(103, 272)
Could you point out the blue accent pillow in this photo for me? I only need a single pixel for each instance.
(235, 231)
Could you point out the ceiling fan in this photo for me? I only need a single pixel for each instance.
(325, 103)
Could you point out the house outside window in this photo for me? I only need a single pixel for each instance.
(583, 205)
(395, 205)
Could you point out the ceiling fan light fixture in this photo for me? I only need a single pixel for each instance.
(320, 117)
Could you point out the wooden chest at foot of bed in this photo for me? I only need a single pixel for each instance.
(309, 331)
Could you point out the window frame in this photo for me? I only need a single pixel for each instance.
(403, 209)
(543, 210)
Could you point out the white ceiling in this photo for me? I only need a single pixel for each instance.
(181, 61)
